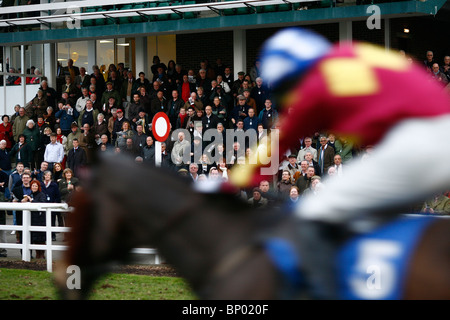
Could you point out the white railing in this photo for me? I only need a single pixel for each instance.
(49, 247)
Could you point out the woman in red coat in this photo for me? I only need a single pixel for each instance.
(6, 132)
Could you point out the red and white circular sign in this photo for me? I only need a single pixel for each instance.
(161, 126)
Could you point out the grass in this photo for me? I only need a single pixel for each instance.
(38, 285)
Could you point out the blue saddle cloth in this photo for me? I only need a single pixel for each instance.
(374, 266)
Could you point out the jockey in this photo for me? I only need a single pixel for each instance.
(373, 97)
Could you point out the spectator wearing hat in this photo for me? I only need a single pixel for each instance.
(111, 121)
(257, 200)
(246, 85)
(237, 84)
(110, 92)
(292, 167)
(107, 107)
(240, 111)
(75, 133)
(183, 173)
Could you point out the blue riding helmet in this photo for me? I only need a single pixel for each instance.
(290, 53)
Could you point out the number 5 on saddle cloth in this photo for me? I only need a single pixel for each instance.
(370, 266)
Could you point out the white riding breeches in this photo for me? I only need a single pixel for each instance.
(409, 165)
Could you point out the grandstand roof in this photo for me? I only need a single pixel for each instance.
(186, 18)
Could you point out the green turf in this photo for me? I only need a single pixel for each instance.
(38, 285)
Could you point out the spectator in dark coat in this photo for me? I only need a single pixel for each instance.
(21, 152)
(76, 158)
(148, 151)
(68, 185)
(51, 190)
(5, 159)
(37, 217)
(21, 189)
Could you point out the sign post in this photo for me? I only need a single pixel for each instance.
(161, 130)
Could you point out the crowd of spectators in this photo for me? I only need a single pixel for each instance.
(58, 133)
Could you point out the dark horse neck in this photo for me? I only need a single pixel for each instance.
(127, 205)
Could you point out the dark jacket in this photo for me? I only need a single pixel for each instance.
(5, 160)
(173, 109)
(76, 160)
(303, 183)
(134, 109)
(38, 218)
(65, 119)
(158, 106)
(210, 122)
(18, 193)
(65, 192)
(51, 192)
(328, 159)
(251, 123)
(148, 153)
(33, 137)
(25, 152)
